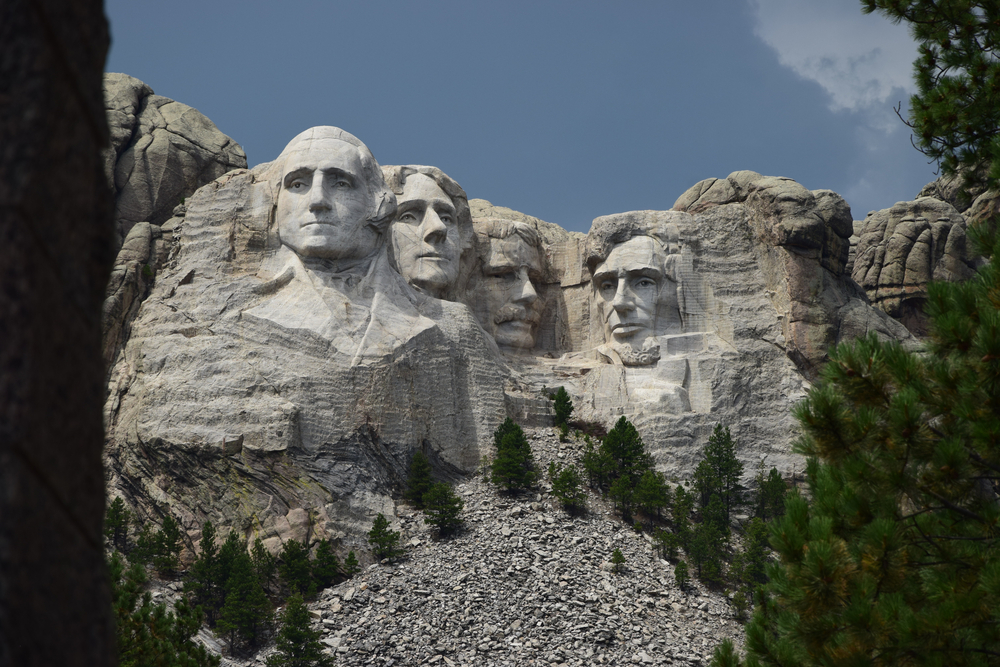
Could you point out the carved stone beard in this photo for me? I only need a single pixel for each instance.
(647, 356)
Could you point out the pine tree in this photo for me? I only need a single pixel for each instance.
(597, 465)
(769, 494)
(621, 493)
(668, 544)
(652, 495)
(297, 643)
(513, 469)
(617, 561)
(954, 114)
(265, 565)
(351, 565)
(719, 471)
(442, 507)
(896, 557)
(567, 487)
(385, 542)
(626, 451)
(148, 634)
(681, 515)
(167, 546)
(681, 575)
(419, 481)
(116, 523)
(246, 615)
(708, 541)
(296, 572)
(563, 407)
(326, 568)
(204, 579)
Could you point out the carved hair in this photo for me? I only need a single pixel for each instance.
(395, 178)
(606, 233)
(496, 228)
(381, 200)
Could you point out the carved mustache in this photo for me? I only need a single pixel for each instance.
(514, 313)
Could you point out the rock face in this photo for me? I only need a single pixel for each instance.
(55, 226)
(161, 151)
(901, 249)
(318, 319)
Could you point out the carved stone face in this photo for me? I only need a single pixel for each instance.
(425, 236)
(322, 202)
(626, 290)
(509, 274)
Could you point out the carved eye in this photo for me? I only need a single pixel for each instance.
(446, 218)
(608, 286)
(342, 183)
(297, 184)
(645, 282)
(408, 216)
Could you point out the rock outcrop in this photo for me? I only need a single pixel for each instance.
(901, 249)
(161, 152)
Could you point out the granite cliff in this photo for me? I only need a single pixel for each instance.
(280, 344)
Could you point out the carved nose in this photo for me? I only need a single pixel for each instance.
(318, 198)
(623, 298)
(526, 293)
(434, 227)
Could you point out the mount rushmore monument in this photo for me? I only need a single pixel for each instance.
(282, 343)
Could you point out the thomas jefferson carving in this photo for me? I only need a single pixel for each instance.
(431, 230)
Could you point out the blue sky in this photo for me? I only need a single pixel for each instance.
(562, 110)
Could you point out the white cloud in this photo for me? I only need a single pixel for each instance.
(862, 61)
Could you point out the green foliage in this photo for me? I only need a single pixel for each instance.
(326, 568)
(563, 407)
(955, 115)
(725, 655)
(297, 643)
(708, 542)
(563, 432)
(351, 565)
(617, 561)
(295, 569)
(668, 544)
(769, 494)
(442, 507)
(597, 465)
(205, 581)
(681, 515)
(246, 615)
(146, 633)
(116, 523)
(681, 575)
(145, 546)
(626, 452)
(718, 472)
(567, 487)
(385, 542)
(513, 469)
(419, 481)
(167, 546)
(652, 495)
(621, 495)
(896, 557)
(265, 565)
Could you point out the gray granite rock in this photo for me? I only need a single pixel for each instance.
(901, 249)
(161, 151)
